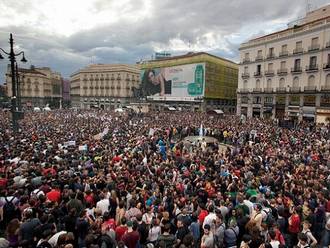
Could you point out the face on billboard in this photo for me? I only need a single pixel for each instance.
(176, 81)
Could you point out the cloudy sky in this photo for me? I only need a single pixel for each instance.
(67, 35)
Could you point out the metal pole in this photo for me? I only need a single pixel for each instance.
(13, 86)
(18, 86)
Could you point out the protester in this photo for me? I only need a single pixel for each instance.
(93, 176)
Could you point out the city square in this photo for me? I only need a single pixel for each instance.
(191, 147)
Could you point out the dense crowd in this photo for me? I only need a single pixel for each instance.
(104, 179)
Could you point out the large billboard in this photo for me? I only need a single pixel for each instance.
(182, 82)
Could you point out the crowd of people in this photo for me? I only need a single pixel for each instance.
(104, 179)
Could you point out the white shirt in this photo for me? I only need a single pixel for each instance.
(275, 243)
(103, 205)
(209, 219)
(154, 233)
(249, 204)
(53, 240)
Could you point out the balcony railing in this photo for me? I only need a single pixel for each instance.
(257, 74)
(295, 89)
(245, 75)
(243, 90)
(255, 90)
(259, 58)
(282, 71)
(296, 70)
(298, 50)
(326, 67)
(268, 90)
(269, 73)
(310, 68)
(271, 56)
(325, 87)
(246, 60)
(280, 89)
(284, 54)
(314, 48)
(310, 88)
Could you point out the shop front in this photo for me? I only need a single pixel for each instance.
(308, 114)
(323, 115)
(280, 106)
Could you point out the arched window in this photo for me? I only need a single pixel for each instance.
(269, 83)
(282, 83)
(258, 83)
(311, 80)
(295, 82)
(327, 80)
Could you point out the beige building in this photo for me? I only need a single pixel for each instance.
(287, 73)
(38, 87)
(104, 85)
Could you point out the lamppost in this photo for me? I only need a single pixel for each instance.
(16, 115)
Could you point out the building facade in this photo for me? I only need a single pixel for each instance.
(105, 86)
(287, 74)
(195, 81)
(37, 87)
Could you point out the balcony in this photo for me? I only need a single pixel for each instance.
(295, 89)
(282, 71)
(269, 73)
(284, 54)
(246, 60)
(312, 68)
(271, 56)
(259, 58)
(258, 74)
(268, 90)
(314, 48)
(243, 90)
(299, 50)
(296, 70)
(325, 88)
(257, 90)
(245, 75)
(326, 67)
(310, 88)
(107, 87)
(281, 89)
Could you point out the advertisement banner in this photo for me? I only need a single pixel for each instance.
(176, 81)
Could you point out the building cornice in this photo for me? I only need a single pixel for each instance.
(290, 36)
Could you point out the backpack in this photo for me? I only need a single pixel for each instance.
(9, 209)
(269, 217)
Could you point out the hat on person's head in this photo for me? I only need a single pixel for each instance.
(129, 223)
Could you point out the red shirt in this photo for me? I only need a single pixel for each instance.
(295, 224)
(202, 216)
(54, 195)
(120, 231)
(131, 239)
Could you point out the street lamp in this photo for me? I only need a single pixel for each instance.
(16, 115)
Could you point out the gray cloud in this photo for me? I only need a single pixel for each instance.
(212, 25)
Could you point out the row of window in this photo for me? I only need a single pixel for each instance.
(296, 66)
(314, 45)
(282, 82)
(107, 77)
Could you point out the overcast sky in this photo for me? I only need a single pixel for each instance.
(67, 35)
